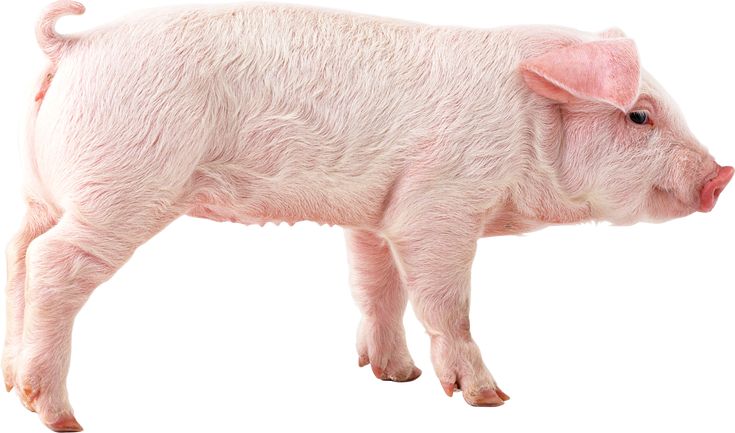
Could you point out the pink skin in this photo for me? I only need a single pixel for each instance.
(417, 144)
(379, 292)
(713, 188)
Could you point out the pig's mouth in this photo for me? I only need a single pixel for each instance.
(667, 204)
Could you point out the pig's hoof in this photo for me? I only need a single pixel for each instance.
(501, 394)
(405, 376)
(392, 373)
(65, 423)
(484, 398)
(57, 417)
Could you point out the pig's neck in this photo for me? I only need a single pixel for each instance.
(535, 194)
(539, 196)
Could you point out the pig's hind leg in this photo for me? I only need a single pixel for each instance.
(38, 219)
(378, 292)
(64, 266)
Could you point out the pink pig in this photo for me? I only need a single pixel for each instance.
(418, 140)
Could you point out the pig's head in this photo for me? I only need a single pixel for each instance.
(626, 149)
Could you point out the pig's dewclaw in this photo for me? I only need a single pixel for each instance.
(28, 397)
(449, 388)
(65, 423)
(377, 371)
(8, 371)
(8, 376)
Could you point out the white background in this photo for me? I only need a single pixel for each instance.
(221, 327)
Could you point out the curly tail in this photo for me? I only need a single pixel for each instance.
(52, 43)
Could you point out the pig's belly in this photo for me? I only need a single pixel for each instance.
(355, 203)
(271, 213)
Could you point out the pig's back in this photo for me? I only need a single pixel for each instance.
(261, 113)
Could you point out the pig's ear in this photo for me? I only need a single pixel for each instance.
(606, 71)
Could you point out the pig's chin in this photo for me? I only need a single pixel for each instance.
(664, 205)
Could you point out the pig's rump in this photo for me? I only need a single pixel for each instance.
(263, 113)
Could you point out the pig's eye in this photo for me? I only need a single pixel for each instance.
(638, 117)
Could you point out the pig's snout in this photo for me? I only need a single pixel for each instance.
(712, 189)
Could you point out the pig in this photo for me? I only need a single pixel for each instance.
(418, 140)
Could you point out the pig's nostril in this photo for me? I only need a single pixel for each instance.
(714, 187)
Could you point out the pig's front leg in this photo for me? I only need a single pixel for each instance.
(377, 289)
(436, 249)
